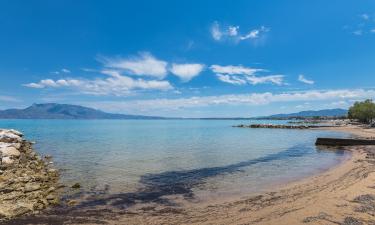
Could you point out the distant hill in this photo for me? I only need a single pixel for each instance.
(64, 111)
(312, 113)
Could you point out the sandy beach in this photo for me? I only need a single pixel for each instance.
(343, 195)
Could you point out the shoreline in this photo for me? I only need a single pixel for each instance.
(28, 182)
(343, 194)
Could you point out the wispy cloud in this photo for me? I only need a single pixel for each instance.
(5, 98)
(63, 70)
(303, 79)
(239, 99)
(216, 32)
(186, 72)
(365, 16)
(231, 70)
(240, 75)
(358, 32)
(232, 33)
(231, 79)
(116, 84)
(365, 25)
(143, 65)
(255, 33)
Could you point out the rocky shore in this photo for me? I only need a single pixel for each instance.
(28, 182)
(275, 126)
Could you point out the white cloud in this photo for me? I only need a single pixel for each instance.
(232, 33)
(143, 65)
(116, 84)
(240, 75)
(302, 79)
(255, 33)
(364, 26)
(241, 99)
(275, 79)
(231, 79)
(215, 31)
(61, 71)
(234, 70)
(186, 72)
(65, 70)
(233, 30)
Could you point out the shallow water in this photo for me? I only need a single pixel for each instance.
(198, 159)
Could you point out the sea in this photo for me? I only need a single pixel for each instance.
(195, 160)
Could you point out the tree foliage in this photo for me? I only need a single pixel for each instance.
(363, 111)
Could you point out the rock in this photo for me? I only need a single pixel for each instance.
(50, 197)
(16, 132)
(5, 145)
(13, 210)
(38, 206)
(8, 137)
(53, 172)
(7, 160)
(351, 221)
(27, 182)
(72, 202)
(76, 186)
(51, 189)
(275, 126)
(29, 187)
(10, 151)
(20, 210)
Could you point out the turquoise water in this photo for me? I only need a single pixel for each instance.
(200, 158)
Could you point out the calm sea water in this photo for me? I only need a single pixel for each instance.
(203, 158)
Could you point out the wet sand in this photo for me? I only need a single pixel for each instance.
(342, 195)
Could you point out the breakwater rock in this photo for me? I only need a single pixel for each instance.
(276, 126)
(28, 183)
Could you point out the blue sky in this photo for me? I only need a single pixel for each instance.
(188, 58)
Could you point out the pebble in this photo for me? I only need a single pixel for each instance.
(76, 185)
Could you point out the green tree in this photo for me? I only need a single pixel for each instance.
(363, 111)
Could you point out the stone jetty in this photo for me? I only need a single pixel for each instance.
(344, 141)
(28, 182)
(277, 126)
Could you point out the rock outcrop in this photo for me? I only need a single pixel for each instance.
(276, 126)
(28, 183)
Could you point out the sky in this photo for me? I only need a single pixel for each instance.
(188, 58)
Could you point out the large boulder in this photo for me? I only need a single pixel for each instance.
(10, 152)
(7, 160)
(8, 136)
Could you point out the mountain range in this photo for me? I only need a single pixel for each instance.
(311, 113)
(64, 111)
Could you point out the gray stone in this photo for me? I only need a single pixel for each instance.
(50, 197)
(29, 187)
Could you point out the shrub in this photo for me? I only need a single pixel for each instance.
(362, 111)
